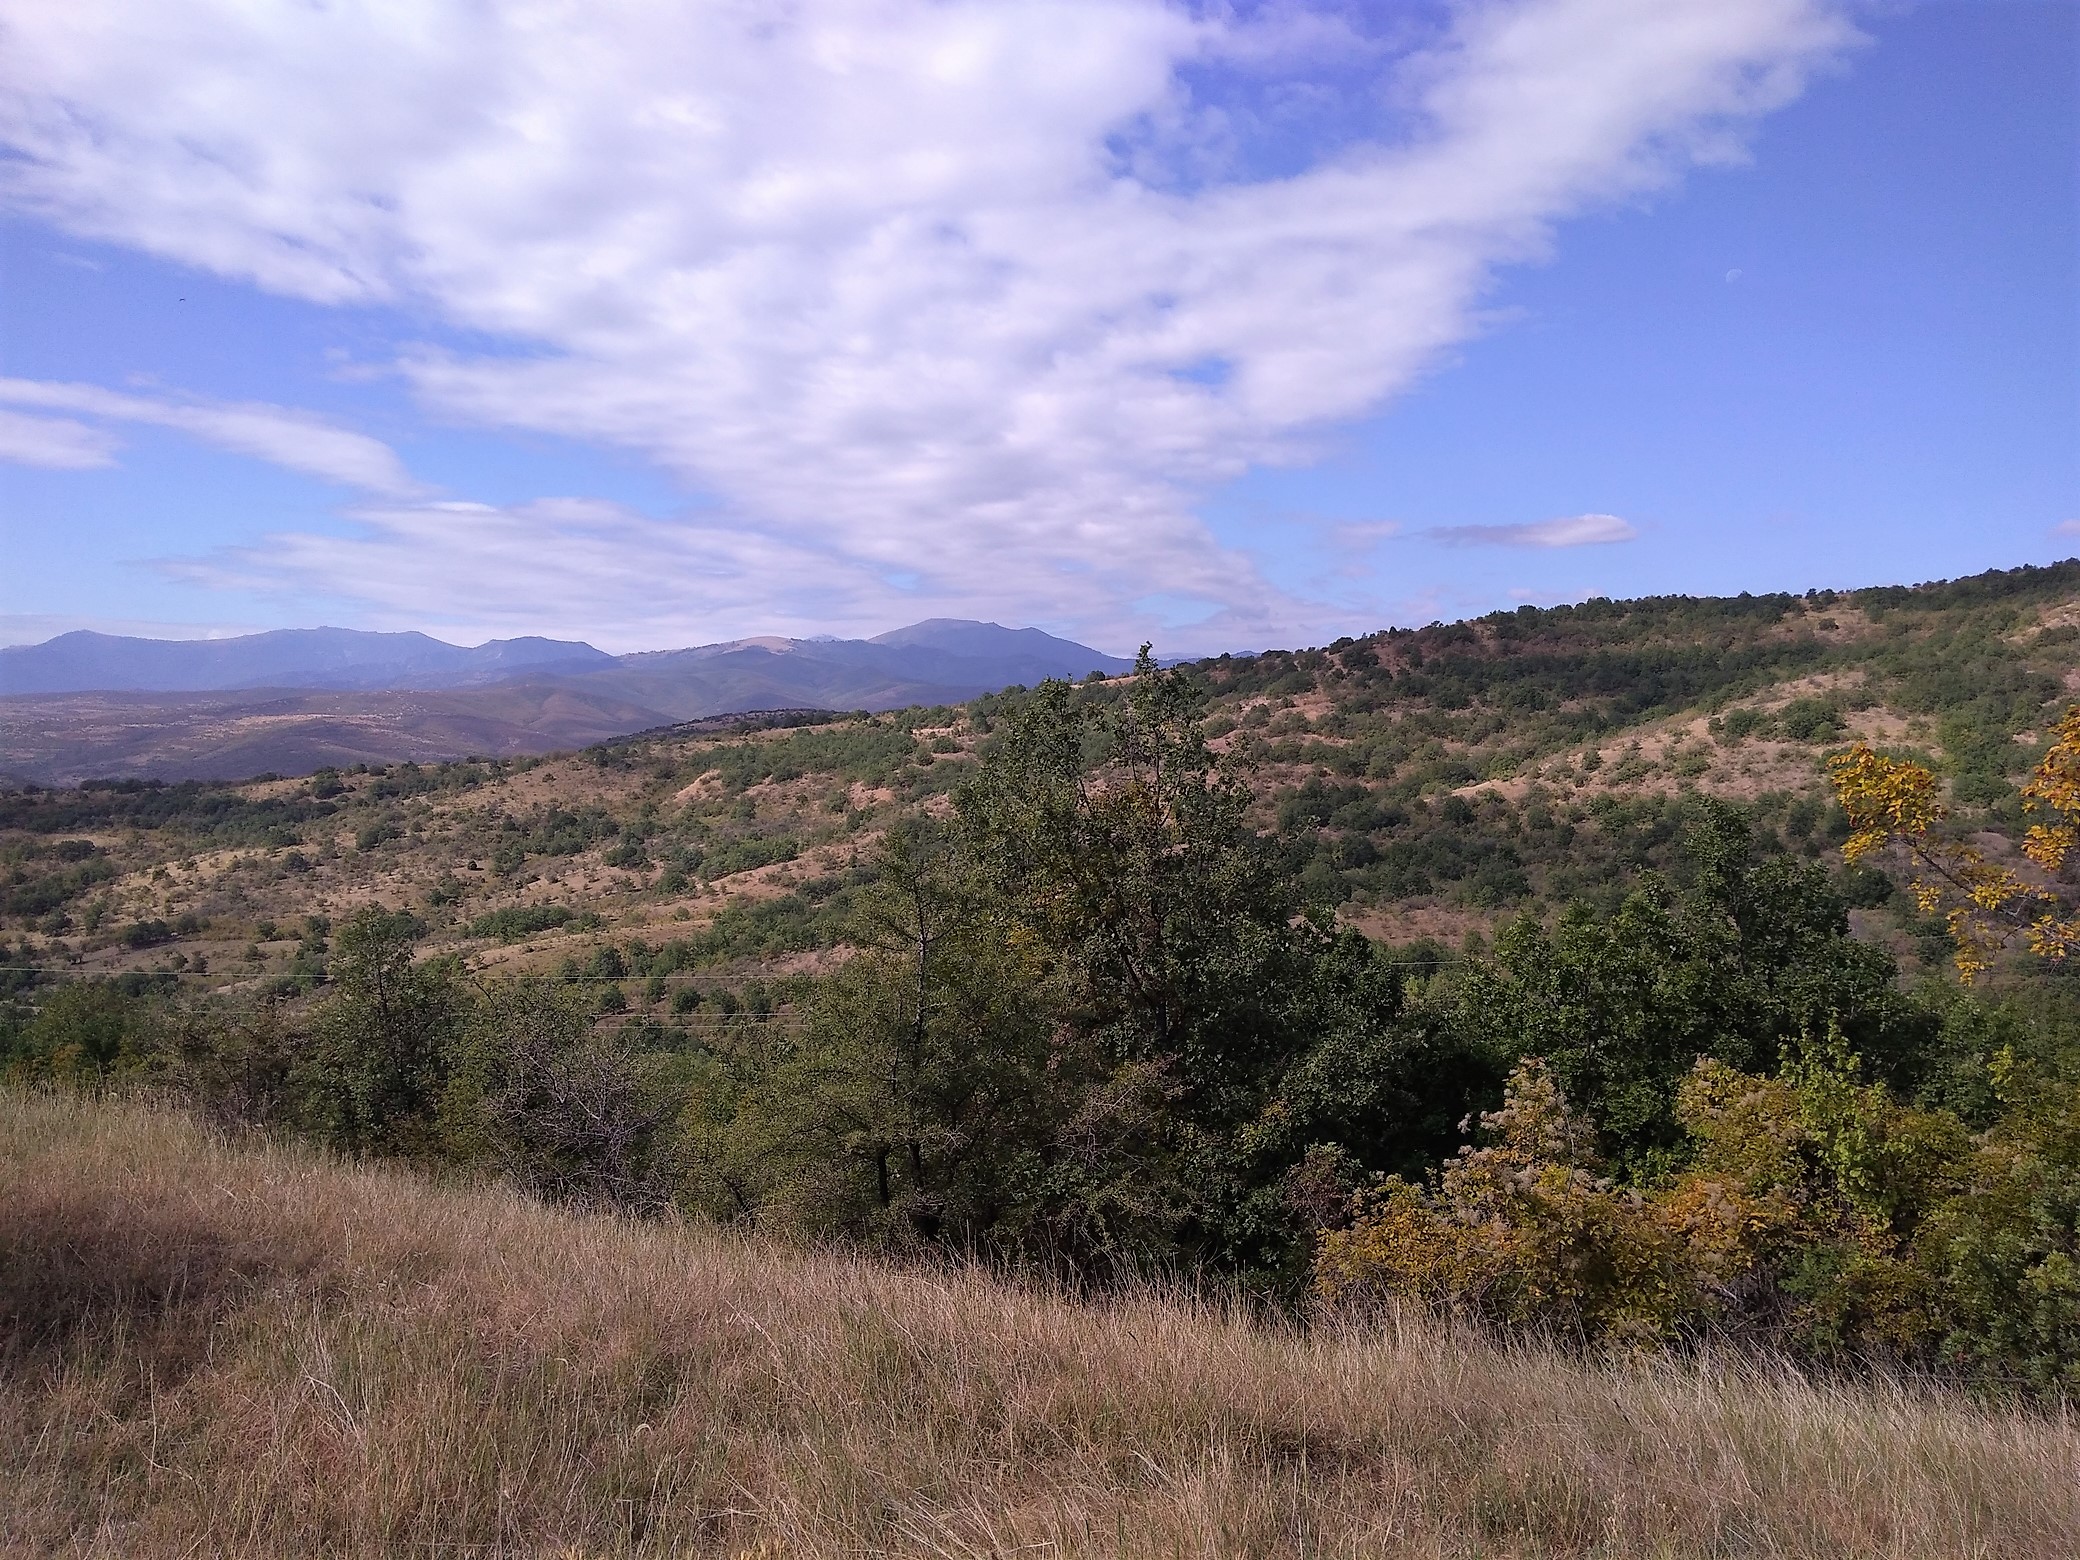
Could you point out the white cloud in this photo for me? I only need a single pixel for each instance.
(981, 288)
(622, 580)
(286, 437)
(2067, 528)
(56, 443)
(1575, 531)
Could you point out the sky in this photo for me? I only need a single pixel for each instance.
(1222, 325)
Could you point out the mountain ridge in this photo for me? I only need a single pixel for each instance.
(86, 661)
(431, 701)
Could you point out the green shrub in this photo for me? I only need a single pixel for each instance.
(513, 922)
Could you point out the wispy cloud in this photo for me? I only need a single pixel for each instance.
(2067, 528)
(55, 443)
(33, 628)
(1576, 531)
(286, 437)
(1362, 536)
(622, 579)
(987, 289)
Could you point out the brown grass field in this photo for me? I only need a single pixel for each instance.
(216, 1348)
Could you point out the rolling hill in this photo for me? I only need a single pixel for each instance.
(1442, 778)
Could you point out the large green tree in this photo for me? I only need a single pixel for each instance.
(911, 1099)
(1070, 1007)
(383, 1041)
(1747, 956)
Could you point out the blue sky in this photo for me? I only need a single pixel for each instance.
(1228, 328)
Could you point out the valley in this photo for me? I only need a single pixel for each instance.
(87, 706)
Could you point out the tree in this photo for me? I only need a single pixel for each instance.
(1749, 953)
(382, 1043)
(558, 1109)
(1893, 803)
(913, 1101)
(1071, 1015)
(1121, 846)
(1194, 986)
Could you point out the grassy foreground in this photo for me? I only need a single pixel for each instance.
(209, 1348)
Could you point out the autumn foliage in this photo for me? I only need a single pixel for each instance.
(1816, 1211)
(1894, 803)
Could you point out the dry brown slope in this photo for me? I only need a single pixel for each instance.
(60, 739)
(249, 1351)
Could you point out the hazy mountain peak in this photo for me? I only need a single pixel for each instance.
(294, 698)
(935, 628)
(322, 657)
(966, 637)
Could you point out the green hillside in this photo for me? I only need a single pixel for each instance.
(1435, 780)
(1289, 971)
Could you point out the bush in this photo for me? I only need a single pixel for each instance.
(1524, 1231)
(1817, 1212)
(84, 1031)
(381, 1047)
(147, 934)
(1810, 720)
(566, 1114)
(514, 922)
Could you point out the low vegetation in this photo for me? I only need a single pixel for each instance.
(241, 1350)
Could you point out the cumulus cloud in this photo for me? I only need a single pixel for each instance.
(1575, 531)
(55, 443)
(990, 289)
(279, 434)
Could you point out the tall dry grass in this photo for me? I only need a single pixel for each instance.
(221, 1349)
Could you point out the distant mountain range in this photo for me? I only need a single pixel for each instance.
(86, 662)
(935, 662)
(89, 705)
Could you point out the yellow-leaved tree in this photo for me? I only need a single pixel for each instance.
(1816, 1211)
(1892, 803)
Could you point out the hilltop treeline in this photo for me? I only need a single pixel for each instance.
(1098, 1019)
(1400, 721)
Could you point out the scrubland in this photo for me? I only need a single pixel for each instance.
(218, 1346)
(1448, 777)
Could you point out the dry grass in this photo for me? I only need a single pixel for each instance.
(219, 1349)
